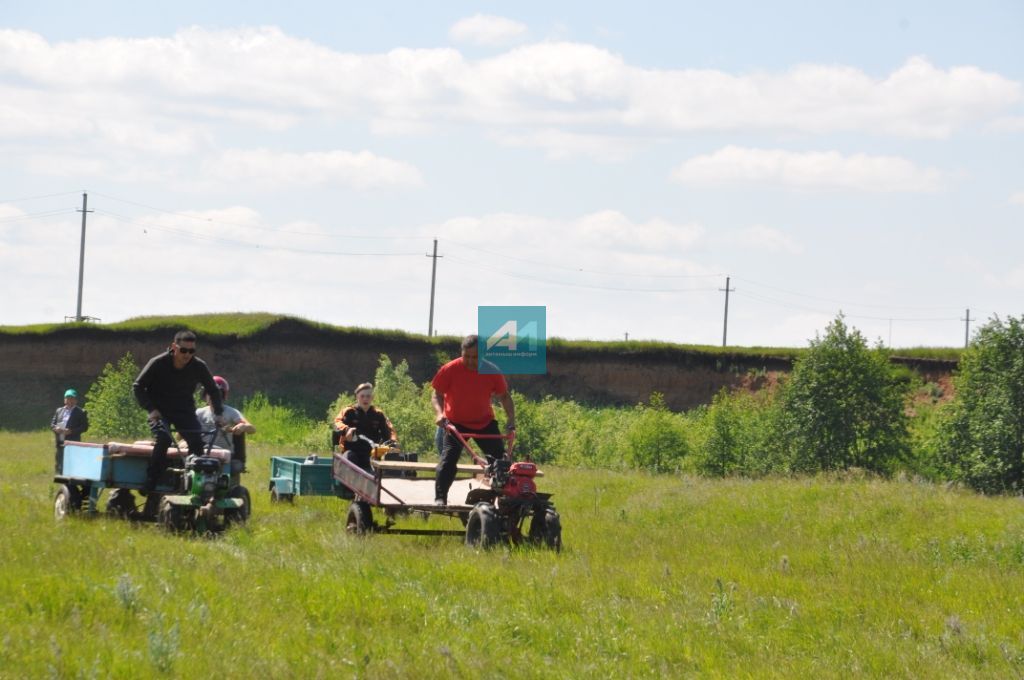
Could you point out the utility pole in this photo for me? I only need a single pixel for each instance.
(627, 336)
(433, 279)
(967, 328)
(81, 257)
(725, 324)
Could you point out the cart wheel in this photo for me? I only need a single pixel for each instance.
(276, 497)
(553, 530)
(482, 526)
(171, 517)
(67, 502)
(360, 518)
(121, 503)
(242, 514)
(546, 527)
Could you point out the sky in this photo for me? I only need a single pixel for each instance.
(613, 162)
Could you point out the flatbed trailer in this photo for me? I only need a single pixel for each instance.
(486, 498)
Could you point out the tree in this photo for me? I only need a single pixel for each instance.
(843, 406)
(982, 436)
(113, 411)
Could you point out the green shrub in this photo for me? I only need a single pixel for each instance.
(983, 434)
(280, 424)
(655, 438)
(843, 406)
(738, 440)
(113, 411)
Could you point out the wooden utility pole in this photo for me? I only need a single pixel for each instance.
(433, 279)
(81, 257)
(725, 324)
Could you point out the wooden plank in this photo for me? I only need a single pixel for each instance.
(424, 467)
(420, 492)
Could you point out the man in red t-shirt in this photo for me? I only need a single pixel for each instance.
(462, 397)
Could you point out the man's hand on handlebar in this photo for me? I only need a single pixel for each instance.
(155, 416)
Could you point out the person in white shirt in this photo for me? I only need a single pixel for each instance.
(234, 424)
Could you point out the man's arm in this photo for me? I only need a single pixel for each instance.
(142, 383)
(81, 423)
(206, 379)
(510, 410)
(437, 400)
(243, 426)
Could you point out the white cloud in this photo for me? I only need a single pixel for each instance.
(760, 237)
(274, 80)
(584, 237)
(488, 30)
(361, 170)
(559, 145)
(1017, 198)
(1015, 278)
(807, 170)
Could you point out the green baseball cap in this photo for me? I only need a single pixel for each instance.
(71, 393)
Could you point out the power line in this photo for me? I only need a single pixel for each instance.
(249, 244)
(762, 298)
(603, 272)
(837, 302)
(278, 230)
(33, 198)
(525, 277)
(36, 216)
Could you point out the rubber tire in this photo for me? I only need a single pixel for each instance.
(546, 528)
(482, 527)
(121, 504)
(171, 517)
(360, 518)
(66, 502)
(276, 497)
(241, 516)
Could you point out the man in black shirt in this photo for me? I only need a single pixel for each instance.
(166, 389)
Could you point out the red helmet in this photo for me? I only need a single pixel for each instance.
(222, 384)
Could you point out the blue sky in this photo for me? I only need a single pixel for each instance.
(614, 163)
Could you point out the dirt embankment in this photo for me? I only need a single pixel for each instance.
(310, 366)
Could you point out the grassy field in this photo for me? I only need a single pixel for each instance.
(662, 576)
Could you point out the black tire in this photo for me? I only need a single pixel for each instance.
(360, 518)
(546, 528)
(67, 502)
(121, 504)
(171, 517)
(482, 526)
(276, 497)
(242, 514)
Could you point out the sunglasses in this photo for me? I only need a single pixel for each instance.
(186, 350)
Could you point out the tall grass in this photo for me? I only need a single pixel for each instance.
(662, 576)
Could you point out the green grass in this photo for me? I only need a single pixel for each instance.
(243, 325)
(662, 576)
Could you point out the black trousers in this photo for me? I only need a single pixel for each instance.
(451, 449)
(187, 425)
(58, 457)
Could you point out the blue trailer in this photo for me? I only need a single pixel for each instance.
(87, 469)
(292, 476)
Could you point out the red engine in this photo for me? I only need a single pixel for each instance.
(520, 482)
